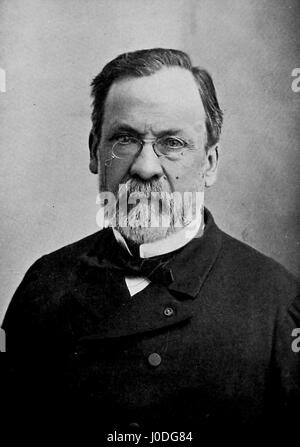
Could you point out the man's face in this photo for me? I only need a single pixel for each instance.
(165, 105)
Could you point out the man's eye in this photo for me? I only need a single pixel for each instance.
(125, 139)
(174, 143)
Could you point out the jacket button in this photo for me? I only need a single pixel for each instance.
(134, 425)
(154, 359)
(168, 311)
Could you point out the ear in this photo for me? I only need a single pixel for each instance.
(212, 158)
(93, 145)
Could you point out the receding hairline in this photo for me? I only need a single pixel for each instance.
(164, 70)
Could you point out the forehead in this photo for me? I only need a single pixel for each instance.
(167, 98)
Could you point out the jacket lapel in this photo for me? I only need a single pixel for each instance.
(111, 312)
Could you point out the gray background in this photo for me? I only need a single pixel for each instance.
(51, 49)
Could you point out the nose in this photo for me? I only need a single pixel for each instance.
(147, 164)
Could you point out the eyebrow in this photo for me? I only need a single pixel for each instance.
(123, 128)
(127, 128)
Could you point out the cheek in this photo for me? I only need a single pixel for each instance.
(112, 174)
(187, 174)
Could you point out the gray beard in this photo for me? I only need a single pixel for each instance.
(152, 214)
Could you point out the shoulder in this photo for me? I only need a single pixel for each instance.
(250, 268)
(54, 274)
(66, 257)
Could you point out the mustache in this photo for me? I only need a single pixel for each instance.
(133, 185)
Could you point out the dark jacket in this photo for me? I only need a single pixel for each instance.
(221, 335)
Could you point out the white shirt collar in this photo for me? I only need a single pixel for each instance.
(170, 243)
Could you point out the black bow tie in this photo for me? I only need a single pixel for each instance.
(156, 268)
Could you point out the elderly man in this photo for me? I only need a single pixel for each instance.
(159, 322)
